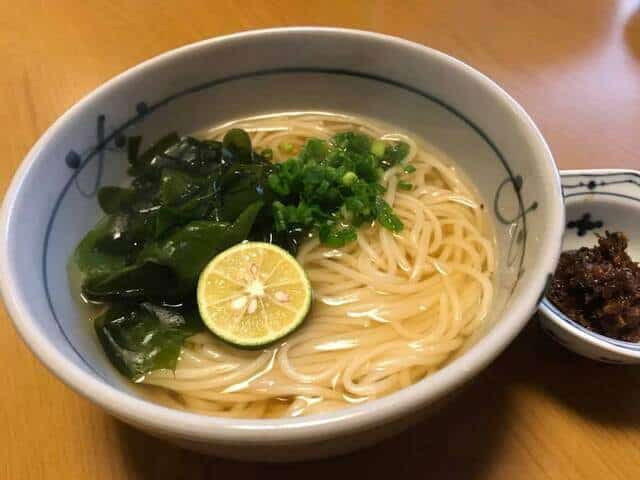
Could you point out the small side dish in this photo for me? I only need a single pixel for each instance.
(599, 287)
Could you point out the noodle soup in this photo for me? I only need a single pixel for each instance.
(389, 308)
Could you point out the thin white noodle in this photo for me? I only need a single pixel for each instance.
(388, 309)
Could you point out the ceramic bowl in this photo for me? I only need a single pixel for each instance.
(596, 201)
(52, 203)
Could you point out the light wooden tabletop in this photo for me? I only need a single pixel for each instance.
(538, 412)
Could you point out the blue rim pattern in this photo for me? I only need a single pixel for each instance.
(610, 194)
(607, 179)
(143, 110)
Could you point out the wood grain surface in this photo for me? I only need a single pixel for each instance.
(538, 412)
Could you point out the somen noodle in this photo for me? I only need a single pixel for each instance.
(388, 309)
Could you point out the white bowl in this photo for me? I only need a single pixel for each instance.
(51, 204)
(596, 200)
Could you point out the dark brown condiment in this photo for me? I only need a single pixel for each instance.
(599, 288)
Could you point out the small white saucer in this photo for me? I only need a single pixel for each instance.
(595, 201)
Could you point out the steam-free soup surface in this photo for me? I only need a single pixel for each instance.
(395, 295)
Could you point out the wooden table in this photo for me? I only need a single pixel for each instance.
(538, 412)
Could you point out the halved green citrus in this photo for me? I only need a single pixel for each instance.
(253, 294)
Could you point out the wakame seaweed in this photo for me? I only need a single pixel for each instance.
(139, 338)
(190, 199)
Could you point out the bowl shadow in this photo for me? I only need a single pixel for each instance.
(632, 33)
(603, 393)
(442, 441)
(466, 439)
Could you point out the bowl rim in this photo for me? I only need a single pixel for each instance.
(602, 343)
(369, 415)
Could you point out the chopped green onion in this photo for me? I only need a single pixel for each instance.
(286, 147)
(386, 216)
(267, 153)
(377, 148)
(394, 154)
(409, 169)
(337, 236)
(348, 178)
(327, 183)
(402, 185)
(346, 214)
